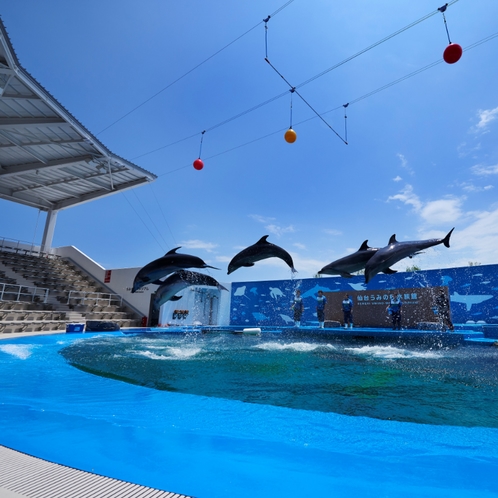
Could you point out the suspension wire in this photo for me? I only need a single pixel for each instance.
(200, 147)
(442, 10)
(162, 212)
(36, 228)
(293, 90)
(350, 58)
(345, 122)
(151, 220)
(358, 99)
(141, 219)
(192, 70)
(262, 104)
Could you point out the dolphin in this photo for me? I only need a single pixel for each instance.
(169, 263)
(261, 250)
(352, 263)
(178, 281)
(396, 251)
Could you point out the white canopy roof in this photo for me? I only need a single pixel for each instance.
(48, 160)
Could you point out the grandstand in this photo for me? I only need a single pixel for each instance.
(49, 161)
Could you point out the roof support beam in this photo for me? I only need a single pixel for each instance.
(24, 122)
(57, 163)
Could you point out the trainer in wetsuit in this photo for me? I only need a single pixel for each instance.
(395, 311)
(321, 301)
(443, 312)
(347, 309)
(298, 308)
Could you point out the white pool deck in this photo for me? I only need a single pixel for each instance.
(24, 476)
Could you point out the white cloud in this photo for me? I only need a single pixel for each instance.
(332, 231)
(486, 117)
(470, 187)
(278, 231)
(404, 163)
(441, 211)
(261, 219)
(397, 179)
(407, 196)
(199, 244)
(433, 212)
(299, 246)
(481, 170)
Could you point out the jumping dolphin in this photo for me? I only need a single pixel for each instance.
(178, 281)
(396, 251)
(261, 250)
(352, 263)
(169, 263)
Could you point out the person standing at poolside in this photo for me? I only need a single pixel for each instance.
(443, 312)
(394, 309)
(347, 309)
(321, 301)
(298, 308)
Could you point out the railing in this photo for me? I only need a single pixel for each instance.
(18, 246)
(14, 292)
(98, 298)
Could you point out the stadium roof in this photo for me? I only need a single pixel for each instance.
(48, 160)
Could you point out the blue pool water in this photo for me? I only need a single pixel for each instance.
(209, 446)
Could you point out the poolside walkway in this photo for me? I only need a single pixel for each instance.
(24, 476)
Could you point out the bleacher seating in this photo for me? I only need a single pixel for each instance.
(44, 292)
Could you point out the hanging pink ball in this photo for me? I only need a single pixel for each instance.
(452, 53)
(198, 164)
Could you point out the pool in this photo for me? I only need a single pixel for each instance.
(209, 446)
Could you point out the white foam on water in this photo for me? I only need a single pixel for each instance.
(171, 353)
(391, 352)
(21, 351)
(302, 347)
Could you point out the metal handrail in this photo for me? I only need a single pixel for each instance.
(27, 248)
(20, 290)
(95, 296)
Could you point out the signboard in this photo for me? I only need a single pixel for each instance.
(370, 306)
(107, 276)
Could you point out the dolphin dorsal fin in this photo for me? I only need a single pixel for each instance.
(173, 251)
(364, 246)
(263, 240)
(392, 240)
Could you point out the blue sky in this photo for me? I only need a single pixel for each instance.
(422, 155)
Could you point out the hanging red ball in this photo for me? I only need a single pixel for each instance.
(290, 136)
(452, 53)
(198, 164)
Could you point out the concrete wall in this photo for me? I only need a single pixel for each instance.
(120, 281)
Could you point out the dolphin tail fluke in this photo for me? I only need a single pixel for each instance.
(388, 271)
(446, 240)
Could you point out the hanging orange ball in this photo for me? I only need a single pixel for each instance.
(290, 136)
(198, 164)
(452, 53)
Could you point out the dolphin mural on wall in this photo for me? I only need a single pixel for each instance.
(396, 251)
(262, 249)
(352, 263)
(469, 299)
(169, 263)
(178, 281)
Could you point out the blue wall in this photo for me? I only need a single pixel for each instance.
(473, 292)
